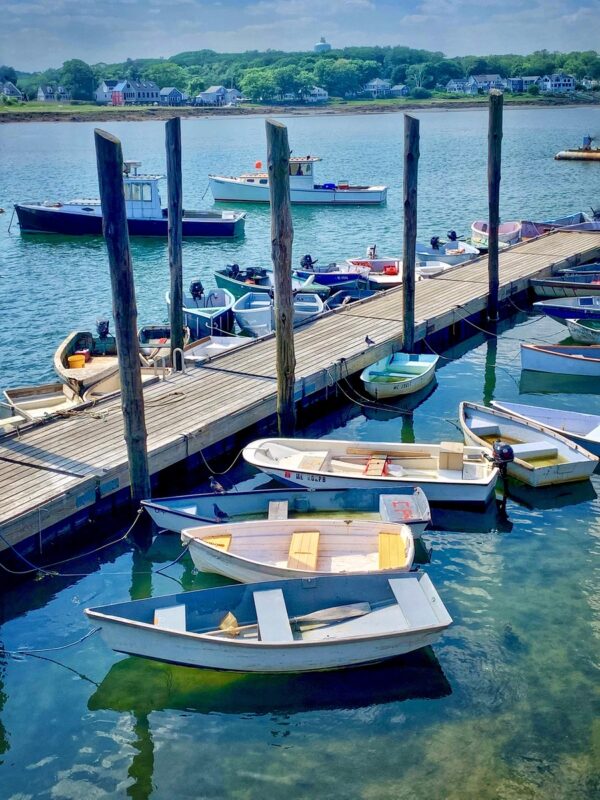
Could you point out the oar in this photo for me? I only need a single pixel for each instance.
(323, 616)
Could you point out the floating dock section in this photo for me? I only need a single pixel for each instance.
(56, 472)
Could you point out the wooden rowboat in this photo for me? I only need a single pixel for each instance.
(38, 402)
(542, 457)
(583, 429)
(265, 550)
(448, 472)
(584, 331)
(406, 504)
(399, 374)
(98, 353)
(281, 626)
(561, 359)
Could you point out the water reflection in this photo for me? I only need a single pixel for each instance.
(551, 497)
(142, 686)
(550, 383)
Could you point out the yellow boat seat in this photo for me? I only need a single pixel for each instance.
(221, 540)
(392, 551)
(304, 549)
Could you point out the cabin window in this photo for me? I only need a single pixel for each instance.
(138, 192)
(263, 180)
(299, 169)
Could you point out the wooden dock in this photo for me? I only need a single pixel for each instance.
(53, 471)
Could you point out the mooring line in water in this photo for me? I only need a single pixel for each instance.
(29, 651)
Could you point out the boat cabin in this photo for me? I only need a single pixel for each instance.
(301, 173)
(142, 198)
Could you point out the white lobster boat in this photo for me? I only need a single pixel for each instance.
(254, 187)
(265, 550)
(281, 626)
(448, 472)
(542, 456)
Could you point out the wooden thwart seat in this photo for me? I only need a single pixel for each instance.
(392, 552)
(272, 616)
(221, 540)
(304, 550)
(376, 465)
(312, 463)
(527, 450)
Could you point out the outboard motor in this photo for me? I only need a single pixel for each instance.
(435, 242)
(306, 262)
(196, 290)
(233, 270)
(503, 454)
(102, 327)
(452, 237)
(372, 251)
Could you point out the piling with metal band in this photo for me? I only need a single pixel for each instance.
(109, 158)
(175, 232)
(409, 254)
(494, 165)
(282, 236)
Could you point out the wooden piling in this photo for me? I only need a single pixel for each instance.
(494, 164)
(109, 158)
(175, 225)
(282, 236)
(409, 255)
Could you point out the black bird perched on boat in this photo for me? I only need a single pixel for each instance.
(215, 486)
(368, 340)
(220, 515)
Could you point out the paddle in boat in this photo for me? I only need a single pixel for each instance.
(206, 312)
(84, 358)
(566, 308)
(253, 187)
(541, 456)
(508, 232)
(300, 625)
(398, 374)
(561, 359)
(258, 279)
(145, 215)
(265, 550)
(404, 504)
(255, 312)
(584, 331)
(583, 429)
(448, 472)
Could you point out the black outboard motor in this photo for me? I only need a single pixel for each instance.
(503, 454)
(233, 270)
(435, 242)
(102, 327)
(306, 262)
(196, 290)
(452, 237)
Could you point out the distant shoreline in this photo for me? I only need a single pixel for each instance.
(121, 114)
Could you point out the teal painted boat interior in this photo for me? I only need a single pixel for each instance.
(504, 706)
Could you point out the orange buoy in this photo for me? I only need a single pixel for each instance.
(258, 165)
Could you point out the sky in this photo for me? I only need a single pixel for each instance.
(37, 34)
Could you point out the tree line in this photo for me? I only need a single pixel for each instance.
(264, 75)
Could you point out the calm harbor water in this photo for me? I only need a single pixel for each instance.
(504, 706)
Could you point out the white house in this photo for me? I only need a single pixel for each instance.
(559, 83)
(461, 86)
(8, 89)
(322, 46)
(104, 92)
(484, 83)
(400, 90)
(378, 87)
(590, 83)
(218, 96)
(316, 95)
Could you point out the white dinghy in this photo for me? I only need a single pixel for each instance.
(281, 626)
(542, 457)
(448, 472)
(561, 359)
(399, 374)
(583, 429)
(584, 331)
(265, 550)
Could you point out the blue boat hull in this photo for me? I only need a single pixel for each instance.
(584, 308)
(47, 220)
